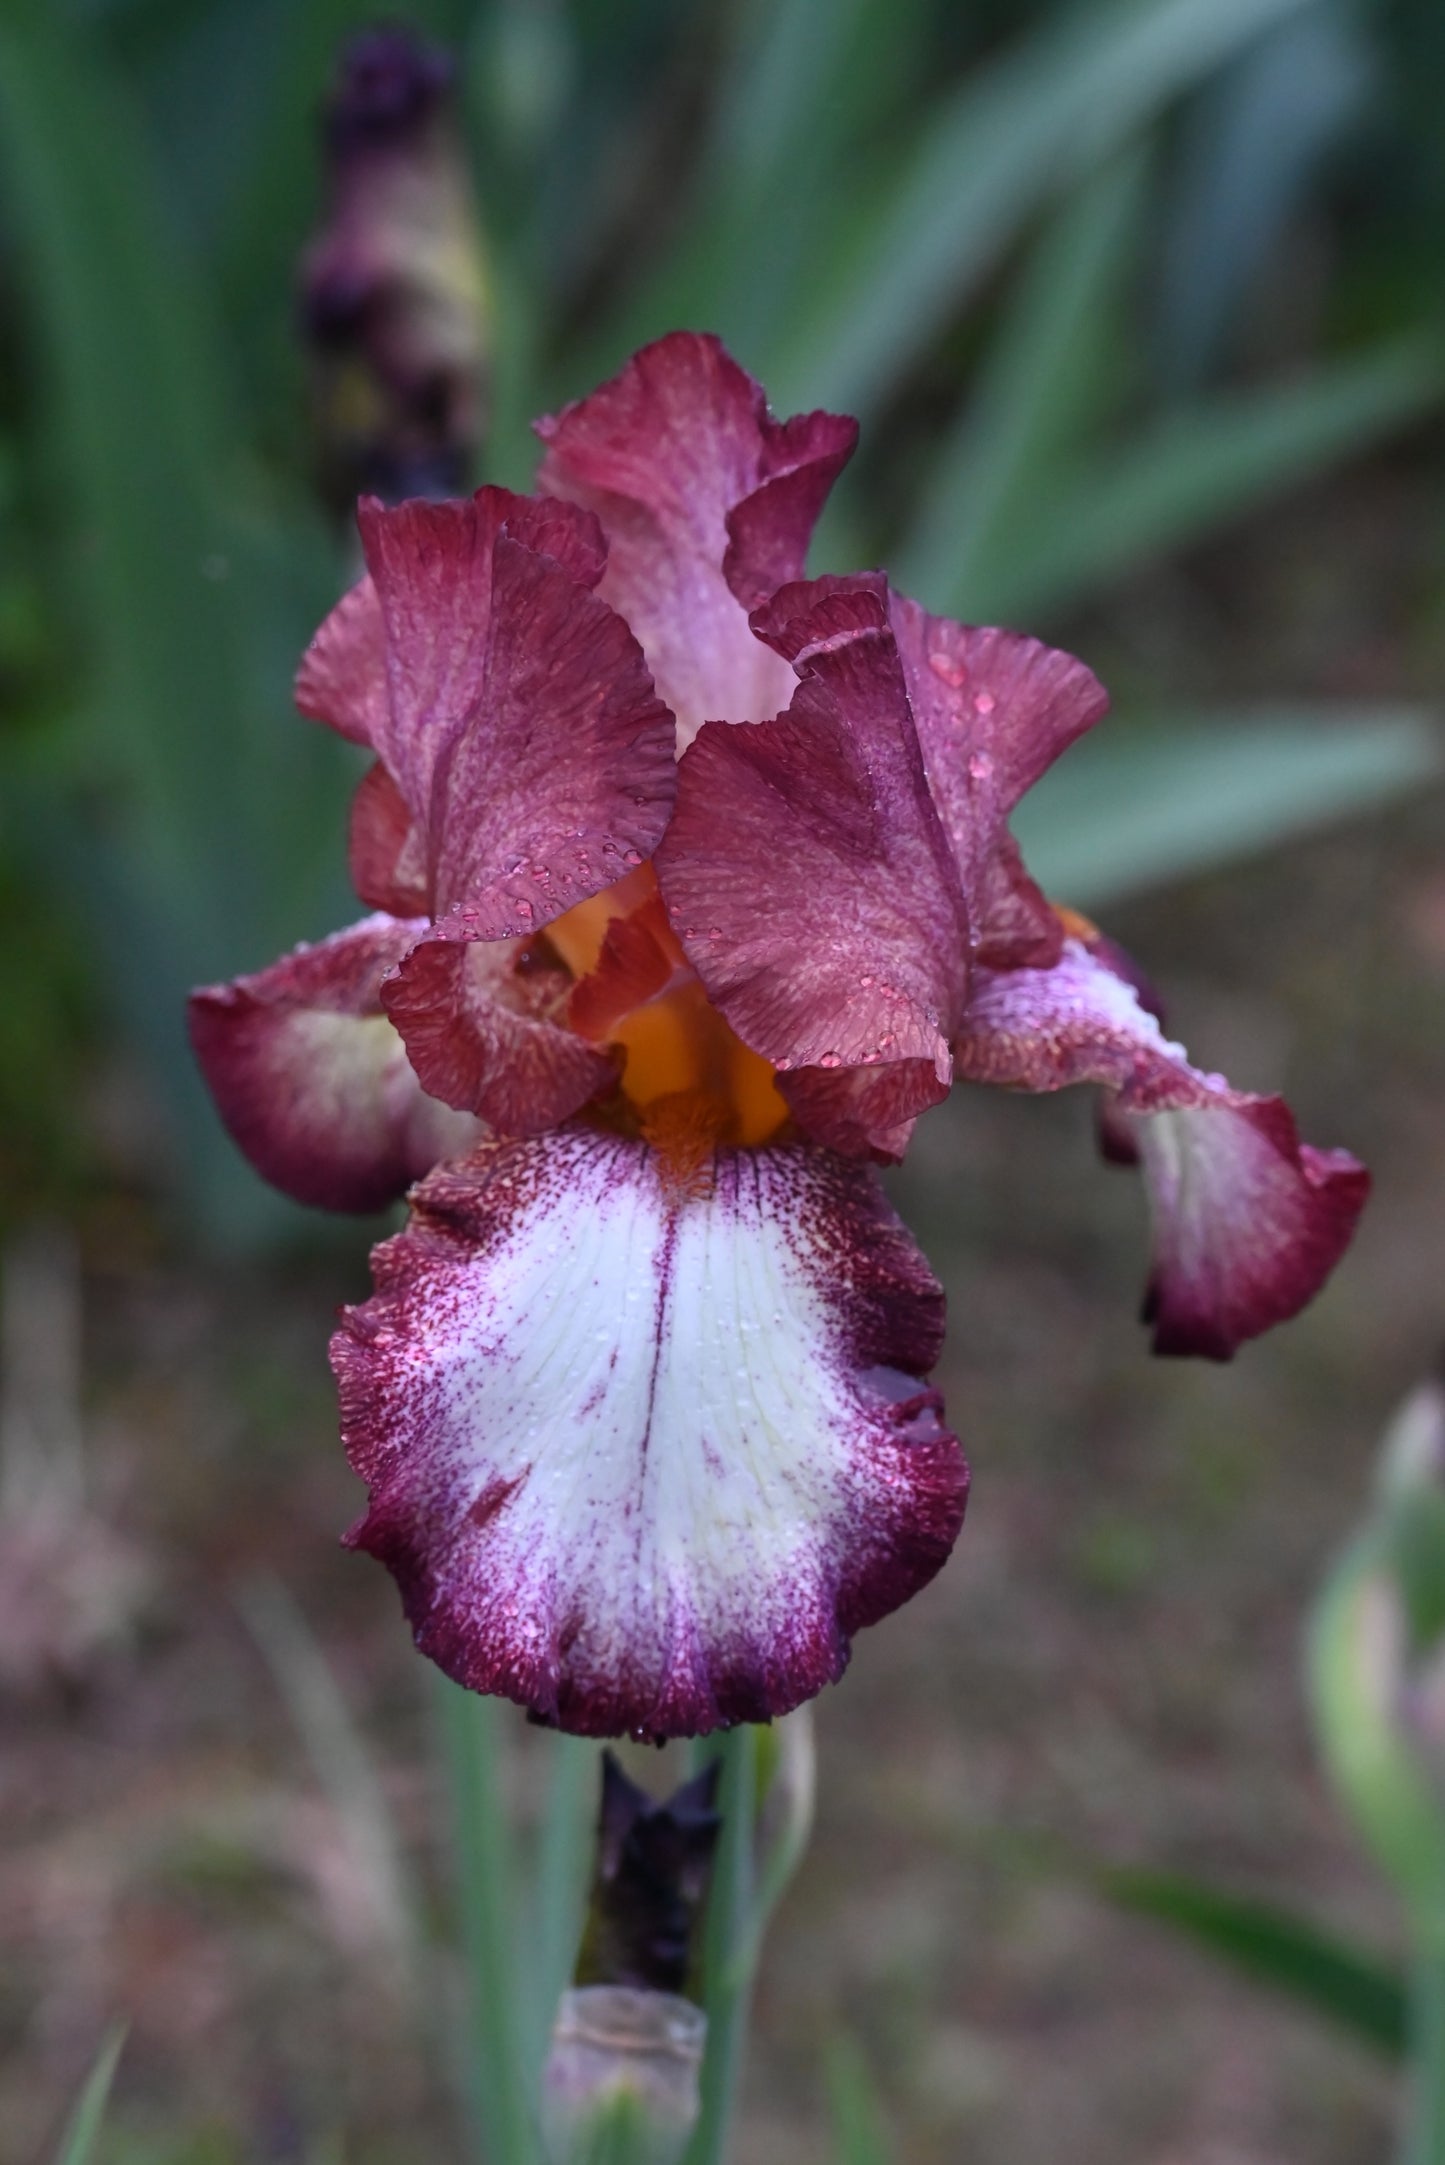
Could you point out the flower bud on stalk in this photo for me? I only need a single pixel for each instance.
(394, 286)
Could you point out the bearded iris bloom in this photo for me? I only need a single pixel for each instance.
(692, 888)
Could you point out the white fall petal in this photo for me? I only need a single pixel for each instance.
(643, 1457)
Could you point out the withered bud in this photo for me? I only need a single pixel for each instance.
(393, 287)
(653, 1861)
(622, 2076)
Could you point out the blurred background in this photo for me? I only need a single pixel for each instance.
(1141, 305)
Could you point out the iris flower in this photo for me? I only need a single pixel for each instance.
(692, 888)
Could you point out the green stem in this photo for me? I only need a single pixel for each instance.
(1425, 2129)
(497, 2065)
(727, 1983)
(563, 1862)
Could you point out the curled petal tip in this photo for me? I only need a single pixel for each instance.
(1248, 1221)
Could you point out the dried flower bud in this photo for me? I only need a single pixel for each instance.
(622, 2060)
(653, 1861)
(393, 287)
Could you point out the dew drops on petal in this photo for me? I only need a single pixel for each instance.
(950, 671)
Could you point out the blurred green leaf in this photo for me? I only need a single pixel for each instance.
(1289, 1953)
(798, 85)
(1418, 1544)
(1016, 133)
(1191, 472)
(1136, 807)
(560, 1879)
(199, 848)
(1356, 1649)
(859, 2135)
(1043, 378)
(494, 2065)
(78, 2144)
(787, 1789)
(1252, 145)
(727, 1983)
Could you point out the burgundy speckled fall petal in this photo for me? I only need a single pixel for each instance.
(810, 883)
(490, 1038)
(643, 1461)
(313, 1082)
(522, 728)
(708, 503)
(993, 710)
(1248, 1221)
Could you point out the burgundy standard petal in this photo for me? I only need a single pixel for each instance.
(643, 1460)
(342, 678)
(522, 728)
(312, 1080)
(708, 504)
(386, 850)
(484, 1025)
(1248, 1221)
(993, 710)
(809, 881)
(866, 1112)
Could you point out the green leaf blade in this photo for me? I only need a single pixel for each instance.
(1290, 1954)
(1136, 807)
(83, 2131)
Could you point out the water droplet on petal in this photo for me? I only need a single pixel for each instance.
(632, 856)
(524, 911)
(950, 671)
(829, 1059)
(984, 702)
(980, 766)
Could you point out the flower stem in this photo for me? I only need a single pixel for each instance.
(1425, 2124)
(563, 1861)
(727, 1982)
(498, 2065)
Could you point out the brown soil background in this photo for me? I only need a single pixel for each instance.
(1108, 1669)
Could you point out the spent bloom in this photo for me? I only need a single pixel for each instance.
(692, 887)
